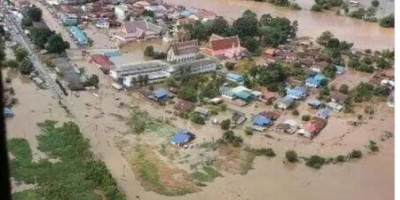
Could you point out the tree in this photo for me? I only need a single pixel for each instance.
(12, 64)
(149, 51)
(26, 66)
(324, 38)
(388, 21)
(230, 66)
(188, 93)
(333, 43)
(148, 13)
(219, 26)
(197, 118)
(356, 154)
(306, 118)
(272, 76)
(226, 124)
(358, 14)
(344, 89)
(230, 137)
(56, 44)
(382, 63)
(200, 31)
(315, 162)
(40, 36)
(247, 25)
(291, 156)
(26, 22)
(250, 44)
(20, 53)
(316, 8)
(375, 3)
(93, 81)
(34, 13)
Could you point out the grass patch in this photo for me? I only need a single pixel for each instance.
(75, 176)
(157, 176)
(234, 160)
(142, 122)
(208, 175)
(27, 195)
(211, 145)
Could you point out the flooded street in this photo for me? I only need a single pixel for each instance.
(362, 34)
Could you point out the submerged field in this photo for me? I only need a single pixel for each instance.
(71, 172)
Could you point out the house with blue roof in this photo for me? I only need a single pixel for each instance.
(182, 137)
(161, 94)
(315, 104)
(262, 121)
(324, 113)
(78, 35)
(239, 92)
(236, 78)
(315, 81)
(297, 93)
(8, 113)
(102, 23)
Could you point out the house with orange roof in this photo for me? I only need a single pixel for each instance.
(221, 47)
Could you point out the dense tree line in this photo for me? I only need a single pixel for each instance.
(254, 33)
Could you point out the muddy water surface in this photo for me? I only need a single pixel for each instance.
(362, 34)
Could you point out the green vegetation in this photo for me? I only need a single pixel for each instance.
(75, 176)
(226, 124)
(388, 21)
(373, 146)
(315, 161)
(306, 118)
(375, 3)
(142, 122)
(26, 66)
(356, 154)
(197, 118)
(325, 4)
(340, 159)
(252, 32)
(92, 81)
(291, 156)
(268, 152)
(34, 13)
(207, 174)
(231, 138)
(156, 176)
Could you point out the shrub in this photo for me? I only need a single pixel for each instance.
(375, 3)
(230, 66)
(340, 158)
(306, 118)
(230, 137)
(295, 112)
(226, 124)
(356, 154)
(291, 156)
(149, 51)
(315, 162)
(248, 131)
(197, 118)
(344, 89)
(373, 146)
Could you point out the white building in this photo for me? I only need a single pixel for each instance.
(136, 69)
(121, 12)
(182, 51)
(194, 67)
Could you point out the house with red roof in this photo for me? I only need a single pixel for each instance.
(102, 62)
(221, 47)
(312, 128)
(203, 15)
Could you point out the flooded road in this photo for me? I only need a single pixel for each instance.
(362, 34)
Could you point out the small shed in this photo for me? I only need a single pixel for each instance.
(324, 113)
(161, 94)
(8, 113)
(315, 104)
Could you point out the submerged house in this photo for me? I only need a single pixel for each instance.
(79, 36)
(223, 47)
(260, 122)
(236, 78)
(312, 128)
(182, 51)
(297, 93)
(284, 103)
(137, 30)
(315, 81)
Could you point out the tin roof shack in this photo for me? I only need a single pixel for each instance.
(182, 137)
(324, 113)
(68, 73)
(315, 81)
(8, 113)
(284, 103)
(237, 118)
(288, 126)
(236, 78)
(312, 128)
(202, 111)
(315, 104)
(338, 98)
(269, 114)
(160, 95)
(297, 93)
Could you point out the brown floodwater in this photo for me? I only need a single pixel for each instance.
(362, 34)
